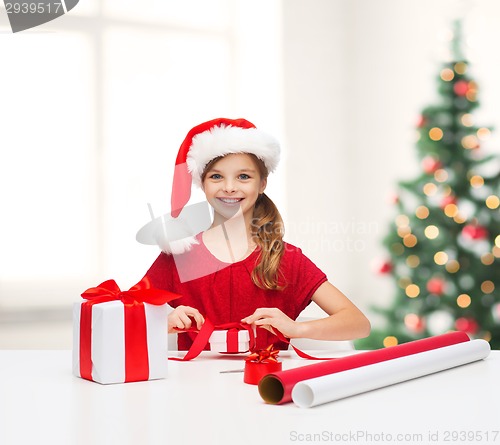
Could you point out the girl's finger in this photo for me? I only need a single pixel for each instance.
(198, 318)
(255, 316)
(263, 321)
(268, 327)
(185, 320)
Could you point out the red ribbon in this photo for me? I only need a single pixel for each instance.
(206, 331)
(300, 353)
(232, 340)
(136, 347)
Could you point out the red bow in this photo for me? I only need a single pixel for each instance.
(267, 355)
(142, 292)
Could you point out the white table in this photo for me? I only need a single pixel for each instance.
(41, 402)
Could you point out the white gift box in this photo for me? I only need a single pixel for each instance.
(219, 341)
(108, 341)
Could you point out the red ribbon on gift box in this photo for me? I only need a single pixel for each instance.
(208, 327)
(232, 340)
(136, 346)
(206, 331)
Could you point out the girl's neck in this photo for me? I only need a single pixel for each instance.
(230, 240)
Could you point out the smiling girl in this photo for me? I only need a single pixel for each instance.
(241, 269)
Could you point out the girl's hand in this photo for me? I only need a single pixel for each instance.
(271, 317)
(182, 317)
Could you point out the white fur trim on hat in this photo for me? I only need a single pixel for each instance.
(178, 246)
(223, 140)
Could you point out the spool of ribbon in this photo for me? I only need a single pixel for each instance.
(260, 363)
(136, 349)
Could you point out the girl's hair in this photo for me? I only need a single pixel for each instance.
(267, 231)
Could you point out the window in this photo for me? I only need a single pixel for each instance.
(94, 107)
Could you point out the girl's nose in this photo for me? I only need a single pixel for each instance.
(229, 187)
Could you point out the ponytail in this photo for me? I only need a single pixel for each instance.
(267, 233)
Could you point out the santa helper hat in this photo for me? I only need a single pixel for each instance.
(210, 140)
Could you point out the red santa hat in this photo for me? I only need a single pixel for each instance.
(212, 139)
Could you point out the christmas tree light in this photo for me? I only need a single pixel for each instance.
(444, 244)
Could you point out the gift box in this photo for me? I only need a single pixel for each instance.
(230, 341)
(121, 336)
(261, 363)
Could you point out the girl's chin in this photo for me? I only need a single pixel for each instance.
(228, 211)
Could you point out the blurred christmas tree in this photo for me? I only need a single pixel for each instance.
(444, 244)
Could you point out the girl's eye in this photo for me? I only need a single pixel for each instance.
(244, 176)
(215, 176)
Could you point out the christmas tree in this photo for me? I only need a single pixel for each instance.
(444, 244)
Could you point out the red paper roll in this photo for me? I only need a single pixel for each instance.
(277, 388)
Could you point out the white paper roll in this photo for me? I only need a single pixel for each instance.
(343, 384)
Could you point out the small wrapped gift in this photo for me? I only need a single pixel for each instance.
(121, 336)
(260, 363)
(230, 341)
(231, 338)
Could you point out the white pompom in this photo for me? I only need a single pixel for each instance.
(178, 246)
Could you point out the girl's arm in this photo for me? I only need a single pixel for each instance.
(344, 321)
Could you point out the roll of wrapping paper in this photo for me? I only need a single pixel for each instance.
(277, 388)
(328, 388)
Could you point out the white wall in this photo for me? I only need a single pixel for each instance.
(340, 82)
(91, 138)
(356, 75)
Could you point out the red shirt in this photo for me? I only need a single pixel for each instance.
(225, 292)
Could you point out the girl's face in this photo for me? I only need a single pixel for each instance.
(232, 183)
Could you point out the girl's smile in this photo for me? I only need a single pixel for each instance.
(230, 201)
